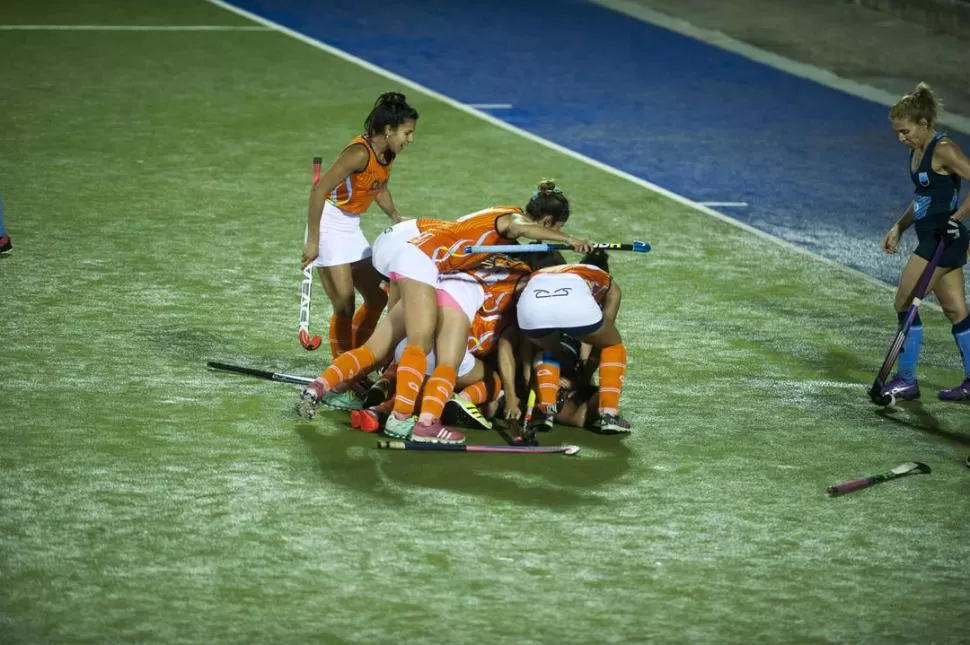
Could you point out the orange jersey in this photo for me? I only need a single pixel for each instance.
(500, 277)
(357, 191)
(596, 279)
(445, 245)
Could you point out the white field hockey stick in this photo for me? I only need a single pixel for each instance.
(636, 247)
(306, 287)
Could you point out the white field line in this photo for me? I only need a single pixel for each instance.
(725, 204)
(484, 116)
(133, 28)
(490, 106)
(802, 70)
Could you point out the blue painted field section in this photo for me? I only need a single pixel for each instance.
(818, 167)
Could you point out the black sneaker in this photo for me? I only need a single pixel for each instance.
(611, 424)
(461, 411)
(6, 246)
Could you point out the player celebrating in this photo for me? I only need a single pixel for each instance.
(936, 165)
(580, 300)
(335, 243)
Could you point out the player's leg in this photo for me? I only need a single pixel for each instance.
(612, 371)
(367, 281)
(338, 284)
(450, 344)
(950, 292)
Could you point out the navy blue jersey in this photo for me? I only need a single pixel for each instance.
(936, 195)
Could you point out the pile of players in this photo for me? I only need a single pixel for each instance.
(495, 327)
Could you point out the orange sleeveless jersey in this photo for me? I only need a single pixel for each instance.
(357, 191)
(445, 244)
(597, 279)
(500, 277)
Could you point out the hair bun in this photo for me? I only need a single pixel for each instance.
(547, 186)
(391, 98)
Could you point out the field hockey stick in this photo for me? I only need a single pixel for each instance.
(452, 447)
(636, 247)
(875, 392)
(528, 436)
(309, 343)
(266, 374)
(909, 468)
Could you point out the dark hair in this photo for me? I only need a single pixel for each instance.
(538, 261)
(548, 200)
(921, 104)
(391, 109)
(598, 258)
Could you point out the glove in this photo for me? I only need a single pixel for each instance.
(951, 231)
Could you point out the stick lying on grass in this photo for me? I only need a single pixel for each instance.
(909, 468)
(266, 374)
(450, 447)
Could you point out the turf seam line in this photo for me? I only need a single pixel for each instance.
(484, 116)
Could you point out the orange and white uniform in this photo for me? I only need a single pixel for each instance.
(568, 297)
(341, 240)
(441, 249)
(500, 278)
(393, 238)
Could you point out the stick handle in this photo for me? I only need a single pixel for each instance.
(636, 247)
(848, 487)
(430, 447)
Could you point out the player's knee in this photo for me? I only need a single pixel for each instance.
(343, 305)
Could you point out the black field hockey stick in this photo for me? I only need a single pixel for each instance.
(636, 247)
(306, 286)
(266, 374)
(875, 392)
(909, 468)
(452, 447)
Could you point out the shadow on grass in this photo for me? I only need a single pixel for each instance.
(351, 459)
(913, 415)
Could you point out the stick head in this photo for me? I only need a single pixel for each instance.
(570, 450)
(880, 399)
(309, 344)
(641, 247)
(912, 467)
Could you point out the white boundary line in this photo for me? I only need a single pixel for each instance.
(802, 70)
(133, 28)
(543, 142)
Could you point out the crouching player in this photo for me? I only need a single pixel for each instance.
(580, 300)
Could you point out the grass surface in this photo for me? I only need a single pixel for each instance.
(155, 188)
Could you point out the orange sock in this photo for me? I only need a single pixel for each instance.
(440, 387)
(341, 335)
(410, 376)
(547, 378)
(612, 371)
(348, 366)
(364, 322)
(479, 392)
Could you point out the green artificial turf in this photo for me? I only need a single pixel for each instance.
(155, 187)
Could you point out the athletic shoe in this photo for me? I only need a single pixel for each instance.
(540, 423)
(367, 420)
(306, 405)
(6, 246)
(611, 424)
(399, 428)
(379, 392)
(346, 400)
(461, 411)
(902, 390)
(435, 433)
(959, 393)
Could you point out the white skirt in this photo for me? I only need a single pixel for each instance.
(461, 290)
(557, 301)
(390, 241)
(341, 240)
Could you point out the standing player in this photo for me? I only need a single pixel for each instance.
(936, 165)
(580, 300)
(335, 243)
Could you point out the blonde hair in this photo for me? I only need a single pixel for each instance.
(921, 104)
